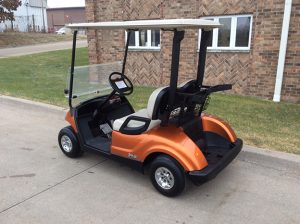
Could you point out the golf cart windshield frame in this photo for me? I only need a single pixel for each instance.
(70, 90)
(177, 26)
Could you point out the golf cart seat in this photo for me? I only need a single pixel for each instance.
(144, 119)
(187, 82)
(188, 86)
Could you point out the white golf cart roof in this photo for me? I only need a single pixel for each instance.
(149, 24)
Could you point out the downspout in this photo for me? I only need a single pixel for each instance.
(282, 49)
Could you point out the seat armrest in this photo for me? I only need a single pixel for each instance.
(124, 129)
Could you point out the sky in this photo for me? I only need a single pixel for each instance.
(65, 3)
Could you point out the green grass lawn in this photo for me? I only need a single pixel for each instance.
(42, 77)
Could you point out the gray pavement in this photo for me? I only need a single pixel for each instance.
(38, 184)
(39, 48)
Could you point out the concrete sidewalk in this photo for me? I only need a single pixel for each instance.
(38, 184)
(39, 48)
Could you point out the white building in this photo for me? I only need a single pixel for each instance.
(30, 16)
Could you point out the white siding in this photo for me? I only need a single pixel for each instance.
(37, 3)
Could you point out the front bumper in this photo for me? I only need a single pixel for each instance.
(211, 171)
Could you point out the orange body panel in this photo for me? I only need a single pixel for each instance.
(70, 119)
(169, 140)
(214, 124)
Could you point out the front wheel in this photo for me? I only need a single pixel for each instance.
(68, 142)
(167, 176)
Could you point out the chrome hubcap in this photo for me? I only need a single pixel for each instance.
(164, 178)
(66, 143)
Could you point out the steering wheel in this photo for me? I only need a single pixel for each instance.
(120, 83)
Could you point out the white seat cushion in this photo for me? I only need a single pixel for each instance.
(146, 113)
(152, 101)
(133, 124)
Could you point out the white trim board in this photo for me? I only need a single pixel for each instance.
(149, 24)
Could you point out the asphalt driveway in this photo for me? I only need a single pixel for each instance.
(39, 48)
(38, 184)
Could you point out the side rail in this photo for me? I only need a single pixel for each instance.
(218, 88)
(201, 96)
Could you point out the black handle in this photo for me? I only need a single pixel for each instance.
(219, 88)
(135, 130)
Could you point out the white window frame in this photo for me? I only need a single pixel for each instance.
(148, 45)
(231, 47)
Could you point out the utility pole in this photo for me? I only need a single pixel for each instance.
(26, 4)
(12, 25)
(44, 28)
(33, 23)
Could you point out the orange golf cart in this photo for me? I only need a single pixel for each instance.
(172, 139)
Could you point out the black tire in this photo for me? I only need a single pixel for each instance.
(173, 171)
(74, 148)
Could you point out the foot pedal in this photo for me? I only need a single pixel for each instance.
(106, 129)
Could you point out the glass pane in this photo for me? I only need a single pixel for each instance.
(155, 38)
(92, 80)
(224, 32)
(143, 37)
(242, 31)
(132, 38)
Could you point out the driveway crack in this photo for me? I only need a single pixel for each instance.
(49, 188)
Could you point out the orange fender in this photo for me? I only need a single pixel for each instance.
(215, 124)
(168, 140)
(70, 119)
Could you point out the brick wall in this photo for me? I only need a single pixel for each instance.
(268, 23)
(252, 73)
(291, 80)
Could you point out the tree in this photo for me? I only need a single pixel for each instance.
(6, 9)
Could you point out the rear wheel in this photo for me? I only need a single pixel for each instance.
(167, 176)
(68, 142)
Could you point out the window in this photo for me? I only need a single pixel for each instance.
(235, 34)
(144, 39)
(224, 32)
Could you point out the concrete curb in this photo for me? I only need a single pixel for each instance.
(33, 103)
(280, 161)
(270, 153)
(248, 153)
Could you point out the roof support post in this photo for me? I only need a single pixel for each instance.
(205, 35)
(72, 69)
(126, 50)
(178, 37)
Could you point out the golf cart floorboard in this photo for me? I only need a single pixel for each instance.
(100, 143)
(215, 153)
